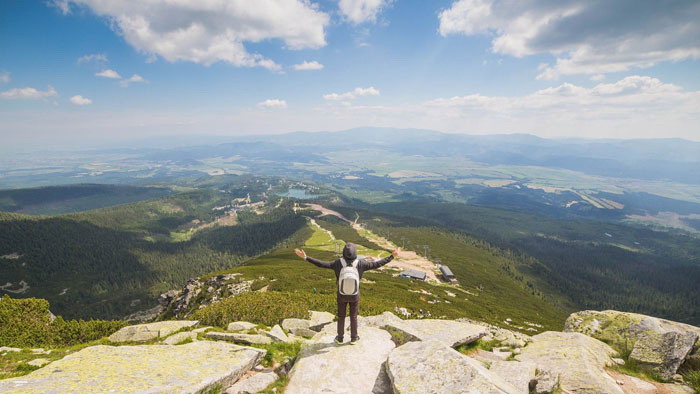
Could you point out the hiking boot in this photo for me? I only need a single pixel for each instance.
(339, 340)
(354, 340)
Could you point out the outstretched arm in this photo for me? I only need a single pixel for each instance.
(318, 263)
(370, 265)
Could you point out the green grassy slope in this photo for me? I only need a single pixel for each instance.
(488, 294)
(596, 265)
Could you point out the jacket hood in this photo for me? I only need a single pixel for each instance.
(349, 252)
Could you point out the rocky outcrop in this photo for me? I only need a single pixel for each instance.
(323, 366)
(180, 303)
(254, 383)
(240, 326)
(450, 332)
(276, 334)
(149, 331)
(189, 368)
(433, 367)
(579, 360)
(180, 337)
(521, 375)
(246, 339)
(658, 345)
(663, 353)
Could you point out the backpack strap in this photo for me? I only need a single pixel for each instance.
(354, 263)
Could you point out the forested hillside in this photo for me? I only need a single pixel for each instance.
(594, 265)
(111, 262)
(55, 200)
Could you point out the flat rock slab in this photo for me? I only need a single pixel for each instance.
(253, 384)
(188, 368)
(240, 326)
(246, 339)
(319, 319)
(324, 367)
(146, 332)
(180, 337)
(451, 333)
(433, 367)
(579, 361)
(519, 374)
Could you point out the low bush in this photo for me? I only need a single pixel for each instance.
(27, 322)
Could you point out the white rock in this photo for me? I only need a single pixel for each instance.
(179, 337)
(246, 339)
(240, 326)
(276, 334)
(5, 349)
(39, 362)
(320, 319)
(433, 367)
(189, 368)
(290, 324)
(579, 360)
(253, 384)
(146, 332)
(323, 366)
(450, 332)
(519, 374)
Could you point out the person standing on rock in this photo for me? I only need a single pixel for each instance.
(348, 273)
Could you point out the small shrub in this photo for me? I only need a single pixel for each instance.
(27, 322)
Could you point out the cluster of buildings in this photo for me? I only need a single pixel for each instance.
(445, 272)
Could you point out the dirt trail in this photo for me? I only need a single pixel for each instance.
(407, 259)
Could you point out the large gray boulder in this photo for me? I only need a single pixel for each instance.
(433, 367)
(253, 384)
(240, 326)
(520, 375)
(323, 366)
(657, 344)
(450, 332)
(149, 331)
(663, 353)
(189, 368)
(319, 320)
(579, 360)
(291, 324)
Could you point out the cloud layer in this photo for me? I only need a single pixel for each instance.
(308, 66)
(586, 36)
(109, 73)
(272, 103)
(361, 11)
(211, 31)
(353, 94)
(28, 94)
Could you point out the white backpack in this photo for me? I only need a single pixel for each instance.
(349, 278)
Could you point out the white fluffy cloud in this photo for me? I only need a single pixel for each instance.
(28, 94)
(4, 76)
(587, 37)
(353, 94)
(307, 66)
(210, 31)
(133, 79)
(80, 100)
(361, 11)
(272, 103)
(109, 73)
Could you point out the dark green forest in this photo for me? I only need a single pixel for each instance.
(115, 261)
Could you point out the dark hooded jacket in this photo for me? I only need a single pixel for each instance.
(349, 254)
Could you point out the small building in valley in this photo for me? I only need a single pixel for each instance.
(413, 274)
(446, 272)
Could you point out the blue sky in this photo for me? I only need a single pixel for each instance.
(624, 69)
